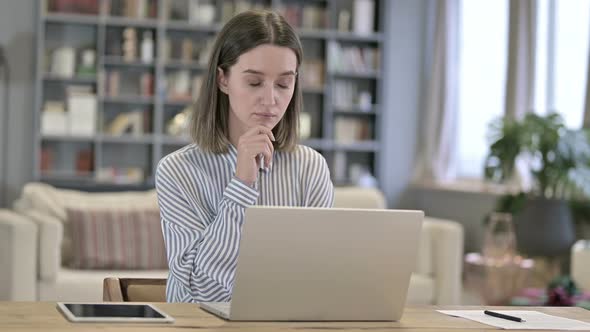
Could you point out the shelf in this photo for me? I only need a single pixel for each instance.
(93, 185)
(342, 183)
(314, 143)
(371, 75)
(120, 62)
(71, 180)
(312, 33)
(173, 140)
(361, 146)
(69, 80)
(309, 90)
(68, 138)
(137, 100)
(105, 147)
(354, 110)
(115, 21)
(187, 26)
(353, 37)
(66, 18)
(67, 176)
(172, 103)
(178, 64)
(339, 35)
(130, 139)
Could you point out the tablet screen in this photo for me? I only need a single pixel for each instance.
(83, 310)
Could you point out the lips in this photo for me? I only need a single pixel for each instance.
(265, 115)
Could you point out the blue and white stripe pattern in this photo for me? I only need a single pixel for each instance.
(202, 208)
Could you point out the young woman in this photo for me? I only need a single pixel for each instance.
(245, 152)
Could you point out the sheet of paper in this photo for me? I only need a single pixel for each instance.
(533, 320)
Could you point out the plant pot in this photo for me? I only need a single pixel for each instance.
(544, 228)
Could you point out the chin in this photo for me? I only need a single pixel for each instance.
(270, 124)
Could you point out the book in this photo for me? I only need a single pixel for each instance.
(113, 80)
(54, 120)
(312, 73)
(84, 161)
(312, 17)
(186, 54)
(46, 159)
(82, 108)
(146, 85)
(350, 130)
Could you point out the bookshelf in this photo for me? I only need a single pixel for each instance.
(93, 56)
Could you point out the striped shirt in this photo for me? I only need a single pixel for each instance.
(202, 207)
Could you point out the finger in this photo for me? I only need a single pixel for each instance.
(262, 152)
(271, 151)
(264, 139)
(260, 130)
(267, 156)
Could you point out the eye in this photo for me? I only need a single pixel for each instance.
(254, 84)
(284, 84)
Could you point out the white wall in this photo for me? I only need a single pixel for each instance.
(403, 62)
(17, 33)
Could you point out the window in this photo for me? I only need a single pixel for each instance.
(483, 57)
(564, 88)
(562, 41)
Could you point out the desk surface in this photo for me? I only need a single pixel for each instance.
(43, 316)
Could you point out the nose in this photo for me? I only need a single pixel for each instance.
(269, 95)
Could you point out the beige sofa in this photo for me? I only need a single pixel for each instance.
(33, 246)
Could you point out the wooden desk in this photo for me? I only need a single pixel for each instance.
(43, 316)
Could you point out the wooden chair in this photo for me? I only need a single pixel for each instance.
(134, 290)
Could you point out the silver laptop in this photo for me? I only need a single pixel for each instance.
(318, 264)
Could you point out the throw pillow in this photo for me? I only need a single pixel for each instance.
(116, 239)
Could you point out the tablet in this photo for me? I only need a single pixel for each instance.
(113, 312)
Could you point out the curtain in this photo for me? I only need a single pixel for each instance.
(520, 76)
(587, 103)
(436, 157)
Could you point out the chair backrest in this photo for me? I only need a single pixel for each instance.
(134, 290)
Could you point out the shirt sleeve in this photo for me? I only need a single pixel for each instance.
(202, 248)
(319, 190)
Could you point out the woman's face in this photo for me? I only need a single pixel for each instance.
(259, 86)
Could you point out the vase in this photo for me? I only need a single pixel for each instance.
(499, 237)
(505, 272)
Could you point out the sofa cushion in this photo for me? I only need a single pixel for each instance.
(48, 200)
(116, 239)
(424, 264)
(421, 290)
(359, 198)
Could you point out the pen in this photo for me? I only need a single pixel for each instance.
(499, 315)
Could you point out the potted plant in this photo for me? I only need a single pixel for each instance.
(552, 166)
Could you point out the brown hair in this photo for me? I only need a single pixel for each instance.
(245, 31)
